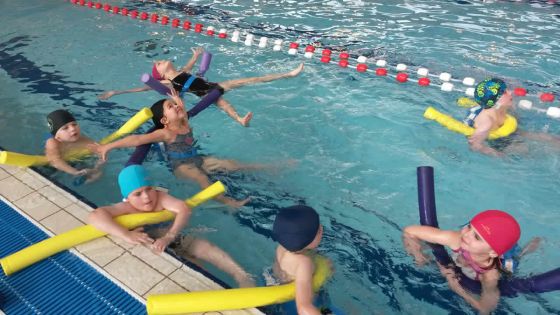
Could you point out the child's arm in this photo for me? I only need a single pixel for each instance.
(52, 151)
(190, 64)
(130, 141)
(490, 295)
(109, 94)
(304, 287)
(183, 213)
(532, 246)
(413, 236)
(477, 141)
(102, 219)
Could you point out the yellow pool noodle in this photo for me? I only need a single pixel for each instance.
(24, 160)
(232, 299)
(509, 126)
(46, 248)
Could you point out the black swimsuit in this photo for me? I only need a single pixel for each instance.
(198, 87)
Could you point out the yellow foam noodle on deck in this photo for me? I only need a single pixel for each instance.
(232, 299)
(24, 160)
(46, 248)
(509, 126)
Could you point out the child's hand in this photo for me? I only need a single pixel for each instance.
(137, 236)
(161, 243)
(93, 175)
(174, 95)
(197, 51)
(106, 95)
(100, 149)
(451, 277)
(82, 172)
(421, 259)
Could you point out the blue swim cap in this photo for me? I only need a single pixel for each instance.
(489, 91)
(131, 178)
(295, 227)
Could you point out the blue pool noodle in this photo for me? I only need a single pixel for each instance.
(204, 63)
(155, 84)
(139, 155)
(510, 287)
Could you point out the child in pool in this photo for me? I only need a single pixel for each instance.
(183, 81)
(477, 249)
(298, 231)
(495, 102)
(139, 196)
(67, 139)
(174, 130)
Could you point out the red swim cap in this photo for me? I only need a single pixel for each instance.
(156, 74)
(498, 228)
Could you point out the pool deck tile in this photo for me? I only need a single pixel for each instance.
(79, 210)
(13, 189)
(61, 222)
(3, 173)
(30, 180)
(134, 273)
(56, 196)
(166, 286)
(158, 262)
(37, 206)
(102, 251)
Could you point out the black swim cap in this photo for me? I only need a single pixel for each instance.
(157, 111)
(59, 118)
(295, 227)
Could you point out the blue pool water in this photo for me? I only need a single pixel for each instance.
(357, 139)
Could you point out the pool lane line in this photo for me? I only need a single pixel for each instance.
(444, 80)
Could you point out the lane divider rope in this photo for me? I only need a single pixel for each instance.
(362, 64)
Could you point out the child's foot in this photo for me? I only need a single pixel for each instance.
(296, 71)
(237, 203)
(246, 119)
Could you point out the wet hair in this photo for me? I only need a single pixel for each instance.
(157, 111)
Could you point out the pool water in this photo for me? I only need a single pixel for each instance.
(346, 143)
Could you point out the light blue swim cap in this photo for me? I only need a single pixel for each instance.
(131, 178)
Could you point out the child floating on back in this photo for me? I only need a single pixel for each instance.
(67, 139)
(183, 81)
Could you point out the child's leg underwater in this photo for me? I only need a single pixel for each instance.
(194, 173)
(204, 250)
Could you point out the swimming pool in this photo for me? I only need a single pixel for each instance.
(357, 139)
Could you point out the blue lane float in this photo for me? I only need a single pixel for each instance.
(511, 286)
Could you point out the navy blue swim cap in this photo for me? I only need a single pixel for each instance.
(295, 227)
(489, 91)
(157, 111)
(59, 118)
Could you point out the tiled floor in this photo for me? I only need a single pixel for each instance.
(58, 211)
